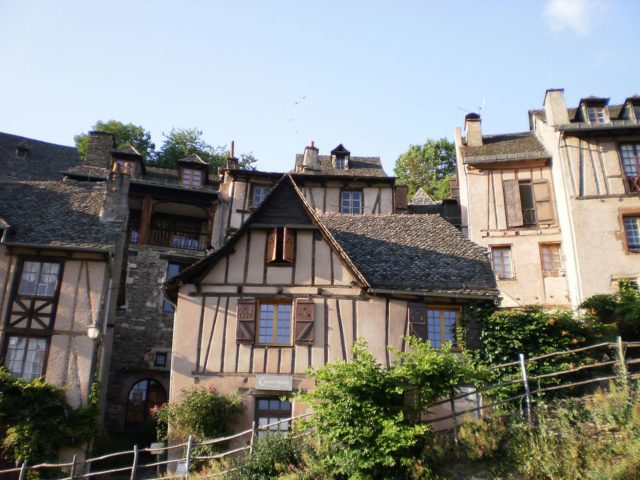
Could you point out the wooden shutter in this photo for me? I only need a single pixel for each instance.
(418, 320)
(289, 248)
(303, 314)
(544, 205)
(272, 245)
(246, 318)
(401, 192)
(512, 203)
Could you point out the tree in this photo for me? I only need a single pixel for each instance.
(429, 166)
(366, 415)
(125, 134)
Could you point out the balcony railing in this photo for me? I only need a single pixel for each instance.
(634, 183)
(171, 238)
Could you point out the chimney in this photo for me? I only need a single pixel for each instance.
(99, 149)
(555, 107)
(473, 129)
(232, 161)
(115, 207)
(310, 160)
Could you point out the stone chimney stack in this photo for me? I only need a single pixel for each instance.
(232, 161)
(473, 130)
(310, 160)
(115, 207)
(99, 149)
(555, 107)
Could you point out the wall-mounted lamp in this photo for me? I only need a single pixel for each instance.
(93, 331)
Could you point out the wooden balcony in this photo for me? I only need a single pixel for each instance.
(171, 239)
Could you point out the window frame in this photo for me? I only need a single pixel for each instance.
(509, 248)
(274, 327)
(558, 271)
(632, 184)
(38, 282)
(133, 424)
(270, 413)
(191, 177)
(166, 305)
(600, 112)
(625, 237)
(28, 336)
(442, 330)
(351, 193)
(254, 190)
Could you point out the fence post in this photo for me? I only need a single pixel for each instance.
(478, 410)
(525, 383)
(72, 473)
(187, 462)
(134, 467)
(621, 363)
(23, 471)
(253, 434)
(453, 415)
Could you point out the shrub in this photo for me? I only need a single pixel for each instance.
(621, 310)
(272, 455)
(36, 421)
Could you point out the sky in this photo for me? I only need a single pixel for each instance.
(374, 75)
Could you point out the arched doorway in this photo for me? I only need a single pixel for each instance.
(143, 396)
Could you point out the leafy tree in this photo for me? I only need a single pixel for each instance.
(621, 310)
(366, 414)
(125, 134)
(429, 166)
(36, 421)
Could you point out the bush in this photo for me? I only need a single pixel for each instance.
(621, 310)
(272, 455)
(36, 421)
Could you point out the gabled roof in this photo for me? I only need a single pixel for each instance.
(422, 198)
(405, 253)
(193, 159)
(340, 150)
(358, 166)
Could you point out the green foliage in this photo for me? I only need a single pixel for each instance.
(35, 419)
(125, 134)
(272, 456)
(366, 414)
(622, 310)
(202, 412)
(429, 166)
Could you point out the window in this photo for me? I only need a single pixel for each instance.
(172, 270)
(21, 152)
(551, 257)
(630, 156)
(281, 245)
(25, 357)
(596, 114)
(528, 202)
(39, 279)
(351, 202)
(436, 324)
(260, 192)
(160, 359)
(340, 163)
(632, 232)
(501, 261)
(143, 396)
(191, 176)
(274, 324)
(270, 411)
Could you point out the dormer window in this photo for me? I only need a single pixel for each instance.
(340, 158)
(597, 114)
(340, 163)
(191, 177)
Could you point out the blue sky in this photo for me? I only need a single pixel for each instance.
(272, 75)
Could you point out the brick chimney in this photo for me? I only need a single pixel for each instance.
(310, 160)
(99, 149)
(473, 129)
(555, 107)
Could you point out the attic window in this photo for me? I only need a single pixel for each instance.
(191, 177)
(281, 246)
(340, 158)
(21, 151)
(340, 163)
(597, 114)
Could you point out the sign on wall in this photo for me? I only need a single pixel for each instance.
(274, 382)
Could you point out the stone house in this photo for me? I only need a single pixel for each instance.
(295, 283)
(60, 260)
(551, 202)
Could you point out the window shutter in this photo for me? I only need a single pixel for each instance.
(418, 320)
(544, 205)
(246, 318)
(272, 243)
(304, 313)
(289, 250)
(401, 192)
(512, 203)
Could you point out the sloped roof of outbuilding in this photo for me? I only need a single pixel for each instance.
(505, 147)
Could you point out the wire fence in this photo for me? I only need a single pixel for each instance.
(612, 362)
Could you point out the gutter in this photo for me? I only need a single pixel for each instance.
(426, 293)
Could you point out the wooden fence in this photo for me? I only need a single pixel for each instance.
(614, 357)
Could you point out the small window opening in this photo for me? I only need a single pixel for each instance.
(22, 151)
(528, 203)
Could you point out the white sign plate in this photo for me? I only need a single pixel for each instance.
(274, 382)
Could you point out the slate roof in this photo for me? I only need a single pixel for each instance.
(56, 213)
(412, 253)
(358, 166)
(615, 114)
(166, 177)
(505, 147)
(43, 161)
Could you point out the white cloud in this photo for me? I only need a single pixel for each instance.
(576, 15)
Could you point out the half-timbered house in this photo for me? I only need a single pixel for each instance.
(293, 288)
